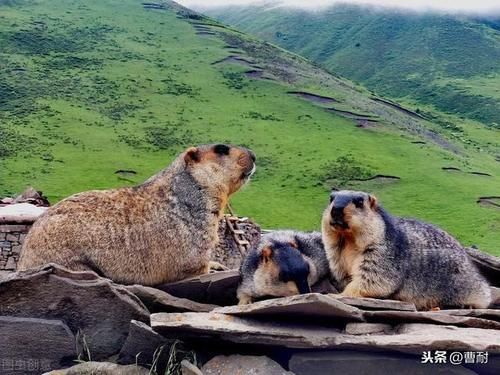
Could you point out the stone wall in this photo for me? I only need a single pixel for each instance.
(11, 239)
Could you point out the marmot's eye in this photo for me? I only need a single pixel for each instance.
(221, 149)
(358, 202)
(332, 197)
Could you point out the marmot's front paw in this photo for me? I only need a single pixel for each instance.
(245, 300)
(216, 266)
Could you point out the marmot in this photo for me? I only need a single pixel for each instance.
(284, 263)
(373, 254)
(161, 231)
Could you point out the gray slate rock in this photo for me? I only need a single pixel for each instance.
(157, 300)
(31, 346)
(243, 364)
(304, 306)
(433, 317)
(359, 363)
(94, 307)
(101, 368)
(375, 304)
(490, 314)
(141, 345)
(367, 328)
(217, 288)
(408, 338)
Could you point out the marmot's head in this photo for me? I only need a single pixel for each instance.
(221, 166)
(352, 213)
(281, 269)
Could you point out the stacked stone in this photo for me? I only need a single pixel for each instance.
(11, 239)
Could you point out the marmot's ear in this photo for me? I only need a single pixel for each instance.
(192, 155)
(372, 200)
(266, 254)
(293, 244)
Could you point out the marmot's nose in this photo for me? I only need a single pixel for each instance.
(337, 214)
(252, 155)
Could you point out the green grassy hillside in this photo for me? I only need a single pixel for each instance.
(449, 62)
(90, 90)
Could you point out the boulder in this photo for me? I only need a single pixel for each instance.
(303, 306)
(355, 363)
(31, 346)
(217, 288)
(407, 338)
(157, 300)
(101, 368)
(95, 309)
(143, 346)
(243, 364)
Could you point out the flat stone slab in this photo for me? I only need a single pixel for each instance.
(217, 288)
(407, 338)
(490, 314)
(433, 317)
(91, 306)
(309, 306)
(20, 213)
(367, 328)
(32, 346)
(157, 300)
(375, 304)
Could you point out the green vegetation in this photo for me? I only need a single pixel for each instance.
(90, 88)
(423, 58)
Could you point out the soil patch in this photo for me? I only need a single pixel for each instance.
(493, 201)
(314, 98)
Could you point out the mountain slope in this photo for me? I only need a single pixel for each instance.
(98, 94)
(449, 62)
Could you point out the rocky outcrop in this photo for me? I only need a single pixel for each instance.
(79, 314)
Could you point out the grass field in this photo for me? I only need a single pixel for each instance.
(87, 89)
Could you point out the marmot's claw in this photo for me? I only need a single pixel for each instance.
(216, 266)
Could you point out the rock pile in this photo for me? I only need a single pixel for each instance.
(16, 217)
(51, 317)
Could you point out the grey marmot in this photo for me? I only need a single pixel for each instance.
(161, 231)
(284, 263)
(373, 254)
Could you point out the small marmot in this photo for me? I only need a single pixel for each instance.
(284, 263)
(373, 254)
(161, 231)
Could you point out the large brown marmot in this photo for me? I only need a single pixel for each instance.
(373, 254)
(161, 231)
